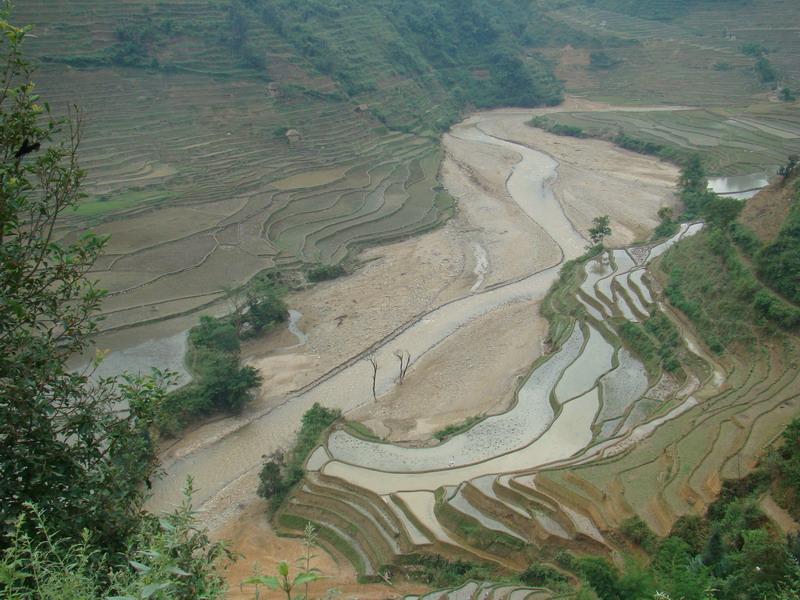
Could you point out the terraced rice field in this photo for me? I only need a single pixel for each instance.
(590, 441)
(693, 59)
(343, 387)
(473, 590)
(190, 173)
(755, 140)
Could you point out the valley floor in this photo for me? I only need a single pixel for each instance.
(467, 356)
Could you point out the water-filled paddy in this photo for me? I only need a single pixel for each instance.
(463, 505)
(526, 421)
(594, 360)
(740, 187)
(622, 386)
(568, 435)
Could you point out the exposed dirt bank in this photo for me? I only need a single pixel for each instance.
(262, 549)
(766, 212)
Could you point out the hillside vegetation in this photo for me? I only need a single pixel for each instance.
(228, 138)
(779, 261)
(420, 60)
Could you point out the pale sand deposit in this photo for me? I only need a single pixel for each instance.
(481, 366)
(596, 177)
(412, 278)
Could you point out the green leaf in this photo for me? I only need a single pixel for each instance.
(166, 525)
(267, 580)
(178, 571)
(305, 578)
(283, 569)
(140, 567)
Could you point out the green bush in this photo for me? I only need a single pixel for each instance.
(325, 272)
(214, 334)
(640, 343)
(438, 572)
(220, 384)
(281, 472)
(693, 530)
(665, 229)
(637, 145)
(745, 239)
(599, 60)
(765, 71)
(457, 428)
(539, 575)
(557, 128)
(170, 557)
(639, 533)
(779, 262)
(753, 49)
(784, 465)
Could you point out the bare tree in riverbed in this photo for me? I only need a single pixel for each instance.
(405, 361)
(374, 362)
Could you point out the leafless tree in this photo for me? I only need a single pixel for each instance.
(405, 361)
(374, 362)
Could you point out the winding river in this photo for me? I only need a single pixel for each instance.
(219, 463)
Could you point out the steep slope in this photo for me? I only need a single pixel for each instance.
(224, 138)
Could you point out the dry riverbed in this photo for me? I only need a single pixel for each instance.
(467, 356)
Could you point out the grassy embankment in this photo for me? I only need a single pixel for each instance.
(669, 481)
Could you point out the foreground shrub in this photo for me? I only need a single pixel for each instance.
(639, 533)
(539, 575)
(168, 558)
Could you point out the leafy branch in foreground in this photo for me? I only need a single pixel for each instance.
(170, 558)
(64, 446)
(282, 581)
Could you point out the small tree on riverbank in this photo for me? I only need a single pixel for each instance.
(600, 230)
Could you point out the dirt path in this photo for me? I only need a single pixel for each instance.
(462, 296)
